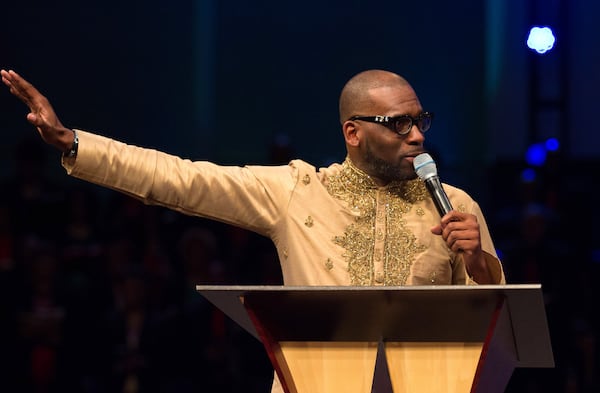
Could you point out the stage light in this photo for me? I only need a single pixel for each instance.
(536, 155)
(541, 39)
(552, 144)
(528, 175)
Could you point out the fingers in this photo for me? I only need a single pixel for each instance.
(11, 79)
(5, 75)
(7, 80)
(462, 245)
(460, 231)
(41, 114)
(34, 119)
(437, 230)
(454, 215)
(21, 88)
(11, 76)
(41, 110)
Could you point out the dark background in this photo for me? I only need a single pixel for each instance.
(97, 289)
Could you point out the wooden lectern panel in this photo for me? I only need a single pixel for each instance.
(432, 366)
(324, 367)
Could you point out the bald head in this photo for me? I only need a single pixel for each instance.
(355, 94)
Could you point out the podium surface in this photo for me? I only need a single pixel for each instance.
(496, 328)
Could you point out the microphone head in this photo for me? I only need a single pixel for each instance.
(425, 166)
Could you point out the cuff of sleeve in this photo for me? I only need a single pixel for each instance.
(495, 268)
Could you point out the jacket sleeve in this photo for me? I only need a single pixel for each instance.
(248, 197)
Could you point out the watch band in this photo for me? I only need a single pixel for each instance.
(72, 152)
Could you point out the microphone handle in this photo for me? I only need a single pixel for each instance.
(440, 199)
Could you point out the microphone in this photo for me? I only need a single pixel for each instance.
(427, 171)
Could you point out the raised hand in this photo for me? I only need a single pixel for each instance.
(41, 113)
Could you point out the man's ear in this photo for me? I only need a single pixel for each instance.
(350, 133)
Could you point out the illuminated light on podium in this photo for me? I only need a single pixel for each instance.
(541, 39)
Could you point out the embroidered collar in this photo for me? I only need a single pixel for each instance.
(354, 180)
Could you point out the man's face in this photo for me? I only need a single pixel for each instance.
(382, 153)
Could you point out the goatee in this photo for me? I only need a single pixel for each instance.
(386, 171)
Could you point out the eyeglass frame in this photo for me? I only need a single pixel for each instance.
(387, 121)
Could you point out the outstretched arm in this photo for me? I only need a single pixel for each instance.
(41, 113)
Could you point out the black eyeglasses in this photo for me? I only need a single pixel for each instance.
(402, 124)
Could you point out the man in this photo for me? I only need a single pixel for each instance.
(366, 221)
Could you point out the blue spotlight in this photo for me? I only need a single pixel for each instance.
(540, 39)
(536, 154)
(528, 175)
(552, 144)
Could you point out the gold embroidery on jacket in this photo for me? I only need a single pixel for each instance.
(309, 222)
(359, 191)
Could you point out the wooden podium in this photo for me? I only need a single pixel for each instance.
(422, 339)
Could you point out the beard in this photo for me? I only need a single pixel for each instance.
(385, 170)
